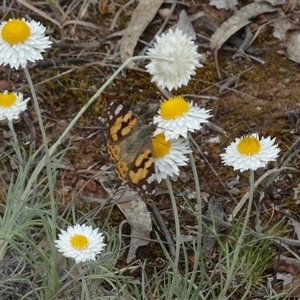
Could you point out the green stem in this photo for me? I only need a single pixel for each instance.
(198, 255)
(178, 239)
(91, 101)
(17, 148)
(85, 291)
(53, 148)
(240, 240)
(3, 248)
(47, 157)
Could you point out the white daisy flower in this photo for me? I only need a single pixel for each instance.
(80, 242)
(21, 41)
(11, 105)
(250, 152)
(168, 156)
(177, 117)
(174, 59)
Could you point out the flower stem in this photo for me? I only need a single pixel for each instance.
(198, 253)
(178, 238)
(85, 291)
(47, 161)
(54, 147)
(16, 147)
(91, 101)
(230, 273)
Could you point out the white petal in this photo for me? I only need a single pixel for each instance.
(174, 59)
(168, 165)
(95, 243)
(30, 50)
(181, 126)
(268, 152)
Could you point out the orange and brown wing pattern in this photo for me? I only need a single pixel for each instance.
(129, 145)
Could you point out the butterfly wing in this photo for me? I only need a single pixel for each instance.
(129, 144)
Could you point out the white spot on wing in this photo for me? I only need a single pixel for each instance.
(118, 109)
(151, 178)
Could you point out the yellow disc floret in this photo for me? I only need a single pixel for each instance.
(173, 108)
(248, 145)
(161, 147)
(79, 241)
(7, 100)
(15, 31)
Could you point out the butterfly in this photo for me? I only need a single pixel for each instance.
(129, 145)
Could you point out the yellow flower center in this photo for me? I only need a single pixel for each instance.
(79, 241)
(15, 31)
(161, 147)
(173, 108)
(7, 100)
(249, 145)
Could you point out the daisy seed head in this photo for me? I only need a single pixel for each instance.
(175, 107)
(11, 105)
(250, 152)
(173, 60)
(22, 41)
(177, 117)
(80, 242)
(7, 99)
(161, 147)
(249, 145)
(15, 31)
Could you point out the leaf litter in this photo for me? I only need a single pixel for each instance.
(129, 211)
(224, 4)
(240, 19)
(138, 217)
(225, 31)
(141, 17)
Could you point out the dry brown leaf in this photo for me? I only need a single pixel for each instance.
(237, 21)
(294, 288)
(141, 17)
(274, 2)
(281, 26)
(287, 265)
(185, 24)
(293, 4)
(138, 217)
(293, 47)
(224, 4)
(167, 13)
(288, 270)
(296, 226)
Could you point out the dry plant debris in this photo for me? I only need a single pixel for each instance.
(250, 94)
(141, 17)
